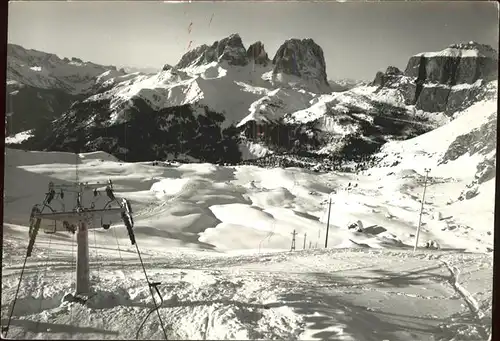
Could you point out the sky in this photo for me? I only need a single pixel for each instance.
(358, 39)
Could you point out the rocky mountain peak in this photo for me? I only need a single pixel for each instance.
(483, 50)
(258, 54)
(167, 67)
(462, 63)
(387, 78)
(193, 57)
(392, 70)
(443, 81)
(302, 58)
(229, 49)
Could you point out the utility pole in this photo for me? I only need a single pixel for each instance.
(421, 209)
(305, 236)
(293, 240)
(328, 220)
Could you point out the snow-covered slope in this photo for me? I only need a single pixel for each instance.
(41, 86)
(461, 156)
(223, 88)
(305, 295)
(218, 238)
(48, 71)
(225, 77)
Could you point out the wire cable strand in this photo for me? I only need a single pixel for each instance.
(156, 306)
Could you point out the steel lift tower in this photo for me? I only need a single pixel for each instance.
(78, 220)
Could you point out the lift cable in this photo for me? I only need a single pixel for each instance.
(73, 266)
(33, 231)
(44, 276)
(119, 250)
(156, 308)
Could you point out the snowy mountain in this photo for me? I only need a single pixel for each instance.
(444, 81)
(344, 84)
(228, 97)
(300, 63)
(41, 86)
(48, 71)
(143, 70)
(275, 274)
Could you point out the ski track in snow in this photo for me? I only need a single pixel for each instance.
(472, 304)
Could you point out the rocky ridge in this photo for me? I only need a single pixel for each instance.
(286, 120)
(443, 81)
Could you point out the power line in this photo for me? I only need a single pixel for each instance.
(44, 276)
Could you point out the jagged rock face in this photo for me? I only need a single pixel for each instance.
(444, 99)
(443, 81)
(195, 57)
(457, 64)
(229, 49)
(387, 78)
(451, 70)
(302, 58)
(480, 141)
(258, 54)
(379, 79)
(392, 70)
(166, 67)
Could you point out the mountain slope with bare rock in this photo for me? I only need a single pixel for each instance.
(230, 97)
